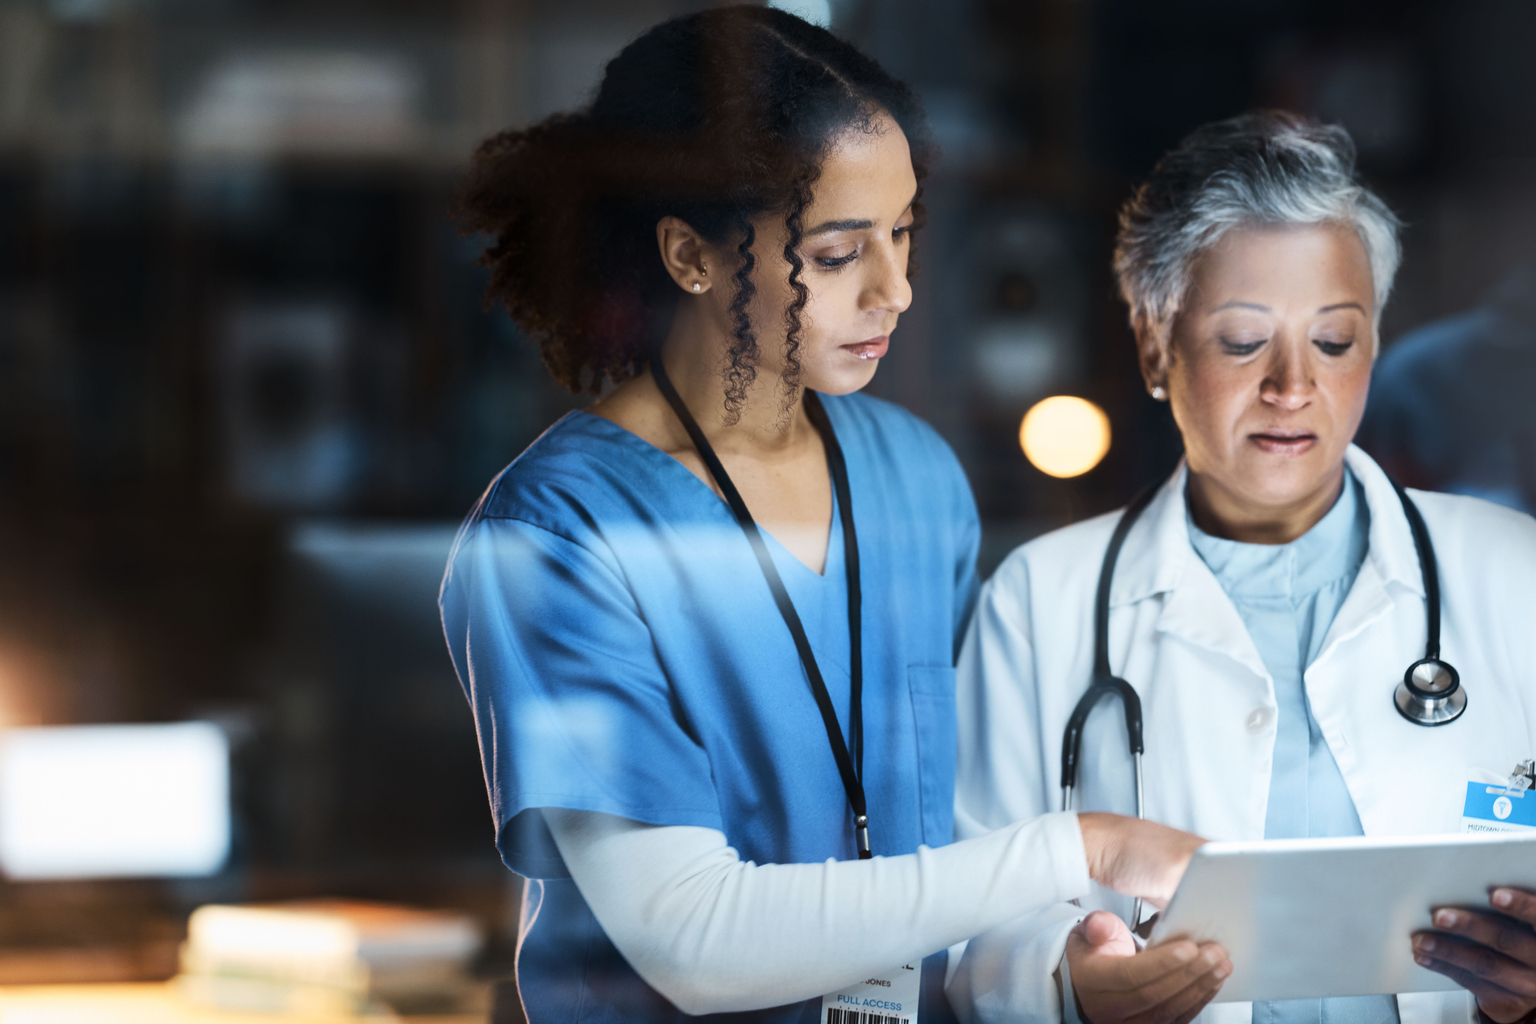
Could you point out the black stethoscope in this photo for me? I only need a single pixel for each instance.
(1430, 693)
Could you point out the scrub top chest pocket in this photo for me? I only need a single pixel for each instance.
(932, 689)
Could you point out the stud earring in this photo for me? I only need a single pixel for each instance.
(1160, 393)
(697, 286)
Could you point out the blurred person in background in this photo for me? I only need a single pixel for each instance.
(1265, 603)
(1451, 406)
(707, 628)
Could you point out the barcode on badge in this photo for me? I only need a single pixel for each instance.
(860, 1017)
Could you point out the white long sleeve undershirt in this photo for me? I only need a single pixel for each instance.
(715, 934)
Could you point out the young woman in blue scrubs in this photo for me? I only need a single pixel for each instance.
(707, 627)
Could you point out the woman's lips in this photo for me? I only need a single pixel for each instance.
(874, 348)
(1284, 442)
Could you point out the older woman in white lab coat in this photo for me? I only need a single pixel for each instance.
(1265, 605)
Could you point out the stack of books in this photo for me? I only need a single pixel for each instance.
(328, 958)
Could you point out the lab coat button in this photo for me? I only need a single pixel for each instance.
(1258, 720)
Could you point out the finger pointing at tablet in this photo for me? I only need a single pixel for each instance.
(1491, 954)
(1136, 857)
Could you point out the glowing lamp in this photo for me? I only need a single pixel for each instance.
(1064, 436)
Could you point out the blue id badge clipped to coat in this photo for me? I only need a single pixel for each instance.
(1501, 806)
(891, 999)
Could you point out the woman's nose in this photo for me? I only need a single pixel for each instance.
(888, 287)
(1288, 384)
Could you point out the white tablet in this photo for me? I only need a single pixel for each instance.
(1311, 918)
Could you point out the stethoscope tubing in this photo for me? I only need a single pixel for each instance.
(1105, 684)
(1429, 569)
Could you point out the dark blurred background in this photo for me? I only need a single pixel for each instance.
(248, 388)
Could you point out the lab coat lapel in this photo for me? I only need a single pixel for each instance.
(1158, 558)
(1391, 547)
(1201, 613)
(1202, 668)
(1350, 684)
(1339, 692)
(1367, 602)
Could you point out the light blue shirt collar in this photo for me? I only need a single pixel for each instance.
(1332, 550)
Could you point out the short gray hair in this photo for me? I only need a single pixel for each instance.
(1269, 167)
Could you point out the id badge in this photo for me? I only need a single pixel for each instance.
(889, 999)
(1497, 807)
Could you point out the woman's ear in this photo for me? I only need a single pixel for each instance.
(684, 254)
(1153, 343)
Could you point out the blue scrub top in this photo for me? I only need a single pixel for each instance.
(622, 653)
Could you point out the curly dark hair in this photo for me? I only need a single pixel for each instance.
(716, 118)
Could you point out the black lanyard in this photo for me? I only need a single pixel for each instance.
(853, 778)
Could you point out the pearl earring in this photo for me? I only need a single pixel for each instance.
(697, 286)
(1160, 393)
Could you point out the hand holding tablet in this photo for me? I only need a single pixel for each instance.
(1113, 982)
(1491, 954)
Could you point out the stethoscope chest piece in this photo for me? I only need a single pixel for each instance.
(1430, 693)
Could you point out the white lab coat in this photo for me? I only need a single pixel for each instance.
(1209, 703)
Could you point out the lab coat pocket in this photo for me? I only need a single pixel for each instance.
(933, 711)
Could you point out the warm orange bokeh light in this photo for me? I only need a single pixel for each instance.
(1064, 436)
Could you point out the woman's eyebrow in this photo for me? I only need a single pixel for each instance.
(840, 225)
(826, 227)
(1241, 305)
(1342, 305)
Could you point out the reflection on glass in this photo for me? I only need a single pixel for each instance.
(113, 801)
